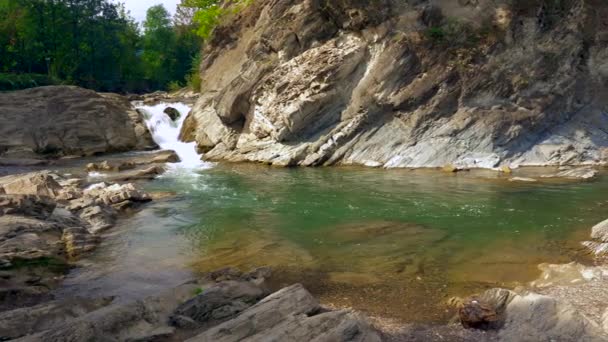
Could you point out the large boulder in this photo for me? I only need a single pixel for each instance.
(528, 317)
(67, 120)
(395, 83)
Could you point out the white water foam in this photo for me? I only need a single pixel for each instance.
(165, 133)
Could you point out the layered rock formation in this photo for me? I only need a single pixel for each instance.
(65, 120)
(406, 84)
(236, 308)
(46, 222)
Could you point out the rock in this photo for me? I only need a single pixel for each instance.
(172, 113)
(218, 303)
(370, 84)
(78, 241)
(506, 170)
(529, 316)
(290, 314)
(23, 162)
(26, 205)
(599, 243)
(27, 239)
(522, 179)
(110, 166)
(147, 173)
(116, 194)
(600, 231)
(67, 120)
(99, 217)
(583, 173)
(485, 312)
(450, 168)
(131, 163)
(26, 321)
(165, 157)
(142, 320)
(35, 183)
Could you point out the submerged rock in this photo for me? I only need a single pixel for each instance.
(583, 173)
(67, 120)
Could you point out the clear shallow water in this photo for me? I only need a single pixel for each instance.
(393, 243)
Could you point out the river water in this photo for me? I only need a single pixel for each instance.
(392, 243)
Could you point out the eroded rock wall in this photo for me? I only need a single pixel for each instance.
(473, 83)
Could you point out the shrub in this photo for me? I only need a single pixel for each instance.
(9, 81)
(174, 86)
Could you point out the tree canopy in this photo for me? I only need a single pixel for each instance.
(95, 44)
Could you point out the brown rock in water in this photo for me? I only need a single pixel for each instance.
(68, 120)
(172, 113)
(114, 166)
(122, 164)
(476, 314)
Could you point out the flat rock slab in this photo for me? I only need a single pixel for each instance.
(291, 314)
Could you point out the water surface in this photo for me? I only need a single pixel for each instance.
(393, 243)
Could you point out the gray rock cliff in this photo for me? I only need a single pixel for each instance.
(390, 83)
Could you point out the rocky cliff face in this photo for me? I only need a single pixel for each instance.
(63, 120)
(396, 83)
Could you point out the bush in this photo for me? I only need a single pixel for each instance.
(194, 78)
(174, 86)
(10, 81)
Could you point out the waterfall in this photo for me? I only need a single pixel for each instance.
(165, 133)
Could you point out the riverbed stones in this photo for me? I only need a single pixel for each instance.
(66, 120)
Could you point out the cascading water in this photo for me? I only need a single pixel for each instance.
(165, 133)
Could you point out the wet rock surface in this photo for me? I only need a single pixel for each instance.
(65, 120)
(406, 84)
(47, 222)
(233, 307)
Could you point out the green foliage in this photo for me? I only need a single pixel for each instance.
(209, 14)
(174, 86)
(193, 79)
(91, 43)
(23, 81)
(198, 291)
(436, 33)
